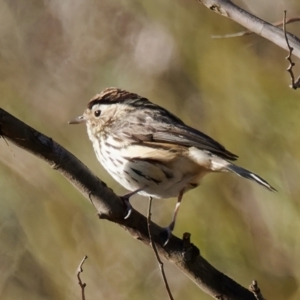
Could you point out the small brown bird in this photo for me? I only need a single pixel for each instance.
(150, 151)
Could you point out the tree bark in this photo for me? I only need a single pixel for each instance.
(109, 206)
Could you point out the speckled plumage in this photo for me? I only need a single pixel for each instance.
(149, 150)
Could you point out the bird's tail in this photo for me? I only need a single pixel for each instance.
(249, 175)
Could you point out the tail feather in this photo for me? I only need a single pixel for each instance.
(249, 175)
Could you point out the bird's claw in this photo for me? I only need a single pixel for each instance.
(168, 230)
(128, 206)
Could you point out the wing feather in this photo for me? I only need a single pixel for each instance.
(165, 128)
(189, 137)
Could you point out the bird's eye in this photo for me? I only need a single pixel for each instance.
(97, 113)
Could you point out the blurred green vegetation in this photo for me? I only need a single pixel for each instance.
(55, 55)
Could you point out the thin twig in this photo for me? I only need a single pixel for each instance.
(248, 32)
(256, 290)
(81, 284)
(295, 84)
(160, 263)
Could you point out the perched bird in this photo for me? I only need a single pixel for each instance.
(150, 151)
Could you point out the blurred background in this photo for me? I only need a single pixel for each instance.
(56, 55)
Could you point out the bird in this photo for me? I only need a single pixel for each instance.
(150, 151)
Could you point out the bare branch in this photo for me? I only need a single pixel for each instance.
(254, 24)
(81, 284)
(160, 263)
(109, 206)
(295, 84)
(248, 32)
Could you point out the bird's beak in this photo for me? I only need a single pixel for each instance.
(78, 120)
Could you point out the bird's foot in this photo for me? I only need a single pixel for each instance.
(168, 233)
(125, 200)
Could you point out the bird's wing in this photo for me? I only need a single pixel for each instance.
(189, 137)
(165, 128)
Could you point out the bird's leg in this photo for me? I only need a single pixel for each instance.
(170, 228)
(127, 204)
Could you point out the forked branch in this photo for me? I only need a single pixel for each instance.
(254, 24)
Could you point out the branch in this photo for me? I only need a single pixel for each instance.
(295, 84)
(248, 32)
(228, 9)
(160, 263)
(109, 206)
(81, 284)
